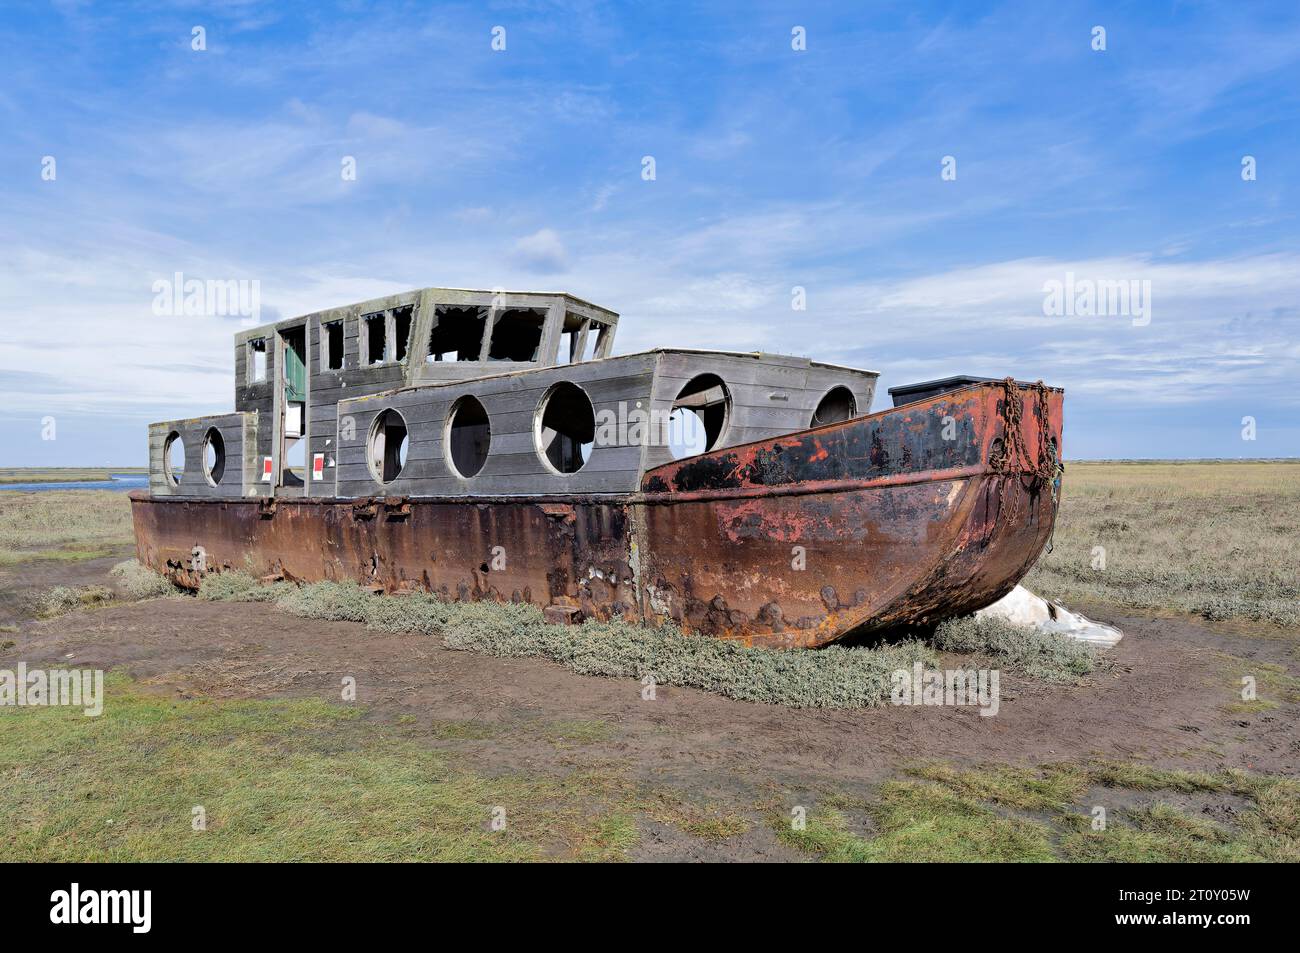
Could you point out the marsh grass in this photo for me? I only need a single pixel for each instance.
(70, 525)
(63, 474)
(60, 600)
(140, 582)
(303, 780)
(1029, 814)
(830, 678)
(1219, 540)
(278, 780)
(1028, 651)
(1270, 678)
(834, 677)
(916, 822)
(135, 582)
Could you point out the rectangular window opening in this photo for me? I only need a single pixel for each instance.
(372, 333)
(517, 335)
(257, 361)
(332, 346)
(569, 338)
(594, 338)
(457, 334)
(402, 329)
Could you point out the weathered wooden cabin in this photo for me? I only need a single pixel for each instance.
(445, 392)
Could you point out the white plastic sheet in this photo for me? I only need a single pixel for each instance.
(1022, 607)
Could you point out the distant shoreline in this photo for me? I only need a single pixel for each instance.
(1148, 461)
(66, 474)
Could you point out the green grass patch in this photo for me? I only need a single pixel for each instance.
(1251, 707)
(706, 821)
(1048, 788)
(1141, 777)
(577, 733)
(1158, 834)
(921, 822)
(1016, 813)
(279, 780)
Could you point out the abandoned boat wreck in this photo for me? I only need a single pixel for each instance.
(489, 445)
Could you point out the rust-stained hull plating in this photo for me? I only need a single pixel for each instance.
(912, 514)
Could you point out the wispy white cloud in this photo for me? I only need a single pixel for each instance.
(542, 251)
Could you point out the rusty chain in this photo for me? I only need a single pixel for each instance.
(1011, 459)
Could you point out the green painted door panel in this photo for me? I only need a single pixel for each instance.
(295, 375)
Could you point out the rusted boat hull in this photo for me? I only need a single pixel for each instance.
(912, 514)
(800, 571)
(546, 551)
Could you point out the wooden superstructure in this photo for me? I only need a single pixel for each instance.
(447, 392)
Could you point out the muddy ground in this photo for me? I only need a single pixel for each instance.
(1166, 699)
(21, 582)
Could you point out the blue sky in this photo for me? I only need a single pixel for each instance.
(775, 168)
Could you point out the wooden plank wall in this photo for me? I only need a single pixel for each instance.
(256, 398)
(513, 466)
(242, 470)
(649, 381)
(771, 394)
